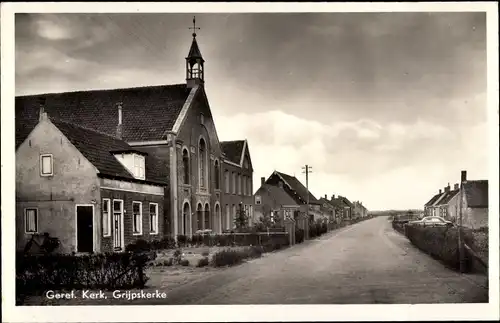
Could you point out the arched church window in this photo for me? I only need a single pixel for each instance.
(185, 165)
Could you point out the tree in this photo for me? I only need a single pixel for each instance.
(241, 219)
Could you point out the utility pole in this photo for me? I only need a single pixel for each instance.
(307, 170)
(460, 222)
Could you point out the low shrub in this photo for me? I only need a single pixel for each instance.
(38, 273)
(205, 253)
(184, 262)
(203, 262)
(227, 257)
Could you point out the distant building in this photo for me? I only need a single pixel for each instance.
(327, 208)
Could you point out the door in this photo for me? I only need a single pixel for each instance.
(85, 228)
(117, 225)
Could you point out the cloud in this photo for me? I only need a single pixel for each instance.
(52, 31)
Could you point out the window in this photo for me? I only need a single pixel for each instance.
(244, 185)
(106, 218)
(202, 160)
(153, 218)
(239, 184)
(257, 200)
(31, 220)
(233, 216)
(245, 163)
(185, 165)
(228, 217)
(217, 175)
(46, 165)
(137, 218)
(139, 166)
(226, 181)
(202, 118)
(117, 224)
(234, 183)
(249, 183)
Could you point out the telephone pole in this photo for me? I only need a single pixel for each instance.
(307, 171)
(460, 222)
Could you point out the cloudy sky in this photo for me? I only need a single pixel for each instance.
(387, 108)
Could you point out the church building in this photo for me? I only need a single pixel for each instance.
(171, 123)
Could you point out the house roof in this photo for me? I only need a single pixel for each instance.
(433, 199)
(233, 150)
(438, 199)
(447, 197)
(297, 186)
(278, 194)
(97, 148)
(148, 112)
(476, 193)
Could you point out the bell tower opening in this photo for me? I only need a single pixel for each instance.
(195, 74)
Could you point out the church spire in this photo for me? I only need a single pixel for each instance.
(194, 62)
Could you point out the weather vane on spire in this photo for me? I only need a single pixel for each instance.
(194, 28)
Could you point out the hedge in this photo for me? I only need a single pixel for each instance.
(441, 243)
(38, 273)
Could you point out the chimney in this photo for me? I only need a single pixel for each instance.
(42, 114)
(464, 176)
(262, 181)
(439, 191)
(326, 197)
(119, 127)
(456, 187)
(447, 188)
(333, 197)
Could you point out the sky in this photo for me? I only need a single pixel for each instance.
(387, 108)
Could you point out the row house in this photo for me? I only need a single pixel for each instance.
(344, 206)
(297, 192)
(469, 198)
(274, 203)
(172, 123)
(92, 191)
(359, 210)
(327, 208)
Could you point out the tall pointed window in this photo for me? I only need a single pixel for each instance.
(202, 160)
(217, 175)
(185, 165)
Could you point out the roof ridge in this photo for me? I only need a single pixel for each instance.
(103, 90)
(88, 129)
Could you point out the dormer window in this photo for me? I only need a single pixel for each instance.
(139, 166)
(134, 162)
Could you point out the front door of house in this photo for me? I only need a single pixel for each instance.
(85, 228)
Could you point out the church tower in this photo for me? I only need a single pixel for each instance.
(194, 62)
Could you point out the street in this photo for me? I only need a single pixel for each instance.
(366, 263)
